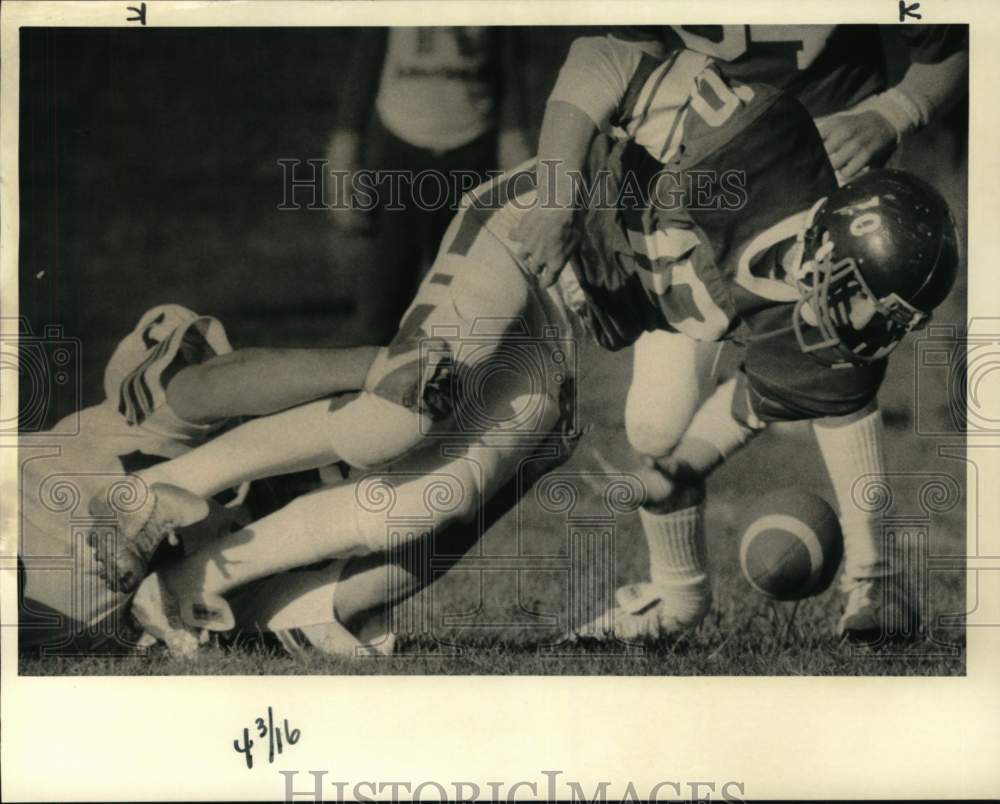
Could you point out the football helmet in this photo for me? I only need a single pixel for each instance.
(878, 255)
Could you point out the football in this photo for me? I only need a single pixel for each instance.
(791, 545)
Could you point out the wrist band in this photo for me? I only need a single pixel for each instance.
(900, 110)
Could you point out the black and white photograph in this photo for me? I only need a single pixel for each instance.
(516, 350)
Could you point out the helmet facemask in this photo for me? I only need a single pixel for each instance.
(837, 303)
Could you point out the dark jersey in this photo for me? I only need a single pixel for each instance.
(828, 68)
(691, 240)
(693, 198)
(668, 241)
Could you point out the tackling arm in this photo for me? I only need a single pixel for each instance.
(256, 382)
(591, 84)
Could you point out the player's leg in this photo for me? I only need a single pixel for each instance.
(325, 432)
(306, 437)
(345, 607)
(672, 374)
(430, 489)
(682, 436)
(474, 299)
(371, 586)
(474, 293)
(299, 607)
(852, 448)
(171, 495)
(490, 325)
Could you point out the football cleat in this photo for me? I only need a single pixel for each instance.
(878, 611)
(155, 609)
(125, 555)
(649, 610)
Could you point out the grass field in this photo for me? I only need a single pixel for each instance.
(162, 186)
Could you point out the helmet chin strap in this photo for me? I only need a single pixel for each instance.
(800, 241)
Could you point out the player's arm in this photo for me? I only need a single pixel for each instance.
(546, 234)
(591, 85)
(934, 81)
(256, 382)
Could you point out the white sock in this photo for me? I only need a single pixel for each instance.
(850, 452)
(311, 528)
(338, 522)
(676, 545)
(290, 441)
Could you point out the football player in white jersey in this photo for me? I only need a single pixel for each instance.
(173, 383)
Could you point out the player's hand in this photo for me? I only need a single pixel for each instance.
(854, 140)
(547, 238)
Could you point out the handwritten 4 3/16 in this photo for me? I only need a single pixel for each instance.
(274, 735)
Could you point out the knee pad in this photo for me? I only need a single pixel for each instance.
(655, 424)
(372, 431)
(652, 430)
(671, 376)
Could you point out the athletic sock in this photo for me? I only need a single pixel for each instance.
(676, 545)
(312, 528)
(850, 452)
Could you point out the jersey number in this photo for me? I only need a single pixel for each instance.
(719, 103)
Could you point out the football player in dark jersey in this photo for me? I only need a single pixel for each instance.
(475, 386)
(875, 257)
(837, 72)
